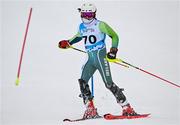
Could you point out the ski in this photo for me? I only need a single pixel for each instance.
(108, 117)
(113, 117)
(80, 119)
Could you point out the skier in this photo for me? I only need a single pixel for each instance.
(94, 33)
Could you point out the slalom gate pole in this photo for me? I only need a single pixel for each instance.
(23, 46)
(92, 86)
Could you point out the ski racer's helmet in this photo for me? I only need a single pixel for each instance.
(88, 12)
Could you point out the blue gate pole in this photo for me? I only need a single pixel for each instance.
(92, 86)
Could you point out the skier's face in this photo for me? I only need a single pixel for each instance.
(88, 15)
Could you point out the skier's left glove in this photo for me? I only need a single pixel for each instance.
(112, 53)
(64, 44)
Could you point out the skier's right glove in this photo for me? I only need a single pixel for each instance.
(64, 44)
(112, 53)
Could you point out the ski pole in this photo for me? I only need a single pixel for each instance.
(77, 49)
(23, 46)
(167, 81)
(116, 61)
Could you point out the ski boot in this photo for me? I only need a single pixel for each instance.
(91, 111)
(128, 111)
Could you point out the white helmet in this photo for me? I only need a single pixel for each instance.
(88, 7)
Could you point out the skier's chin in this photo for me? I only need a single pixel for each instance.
(87, 21)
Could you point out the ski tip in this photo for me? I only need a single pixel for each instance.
(106, 116)
(148, 114)
(66, 120)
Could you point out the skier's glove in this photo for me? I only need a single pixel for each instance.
(64, 44)
(112, 53)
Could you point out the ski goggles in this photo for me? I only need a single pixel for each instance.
(87, 14)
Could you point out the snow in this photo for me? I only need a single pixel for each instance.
(48, 90)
